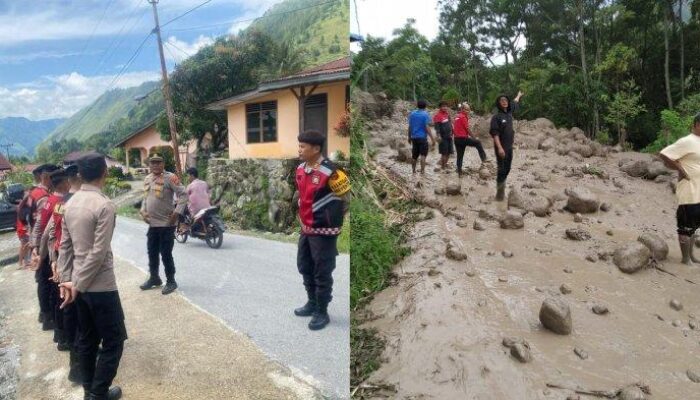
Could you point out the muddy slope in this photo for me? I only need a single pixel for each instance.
(445, 320)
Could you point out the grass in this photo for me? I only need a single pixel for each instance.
(128, 211)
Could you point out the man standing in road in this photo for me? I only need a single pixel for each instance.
(418, 133)
(323, 201)
(684, 157)
(443, 129)
(86, 272)
(161, 212)
(503, 137)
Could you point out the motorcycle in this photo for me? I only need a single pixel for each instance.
(205, 225)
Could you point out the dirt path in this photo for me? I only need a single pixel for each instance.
(174, 351)
(445, 320)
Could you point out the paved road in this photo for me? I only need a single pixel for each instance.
(252, 285)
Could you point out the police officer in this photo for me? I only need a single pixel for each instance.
(161, 213)
(86, 272)
(323, 200)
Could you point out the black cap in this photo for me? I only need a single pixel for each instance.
(58, 176)
(312, 137)
(91, 166)
(71, 170)
(44, 168)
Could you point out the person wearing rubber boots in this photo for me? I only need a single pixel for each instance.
(323, 201)
(162, 213)
(503, 137)
(86, 271)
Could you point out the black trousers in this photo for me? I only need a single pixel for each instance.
(101, 337)
(687, 219)
(43, 287)
(316, 262)
(55, 304)
(160, 244)
(504, 165)
(462, 143)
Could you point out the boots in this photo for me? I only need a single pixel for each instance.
(686, 245)
(47, 323)
(153, 281)
(170, 286)
(307, 309)
(500, 191)
(114, 393)
(74, 374)
(320, 317)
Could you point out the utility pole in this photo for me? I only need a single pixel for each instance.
(7, 147)
(166, 92)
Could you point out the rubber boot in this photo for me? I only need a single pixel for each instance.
(683, 242)
(151, 282)
(307, 309)
(320, 317)
(691, 250)
(500, 191)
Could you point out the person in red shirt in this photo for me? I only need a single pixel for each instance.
(443, 128)
(462, 137)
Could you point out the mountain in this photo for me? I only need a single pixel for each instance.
(310, 24)
(24, 134)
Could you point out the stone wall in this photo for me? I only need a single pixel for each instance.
(255, 193)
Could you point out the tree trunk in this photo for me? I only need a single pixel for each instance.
(582, 47)
(667, 76)
(680, 18)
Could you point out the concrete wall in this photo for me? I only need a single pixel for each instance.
(287, 125)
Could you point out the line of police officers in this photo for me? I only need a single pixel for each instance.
(72, 254)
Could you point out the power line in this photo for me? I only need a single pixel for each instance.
(357, 18)
(179, 49)
(106, 55)
(92, 34)
(187, 12)
(252, 19)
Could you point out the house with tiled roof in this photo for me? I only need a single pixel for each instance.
(265, 122)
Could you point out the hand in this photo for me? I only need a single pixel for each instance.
(54, 271)
(68, 293)
(682, 175)
(174, 218)
(501, 153)
(145, 217)
(520, 94)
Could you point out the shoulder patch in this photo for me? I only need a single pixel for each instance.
(339, 183)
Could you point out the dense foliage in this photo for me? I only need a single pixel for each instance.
(609, 67)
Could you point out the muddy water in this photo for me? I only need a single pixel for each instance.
(444, 328)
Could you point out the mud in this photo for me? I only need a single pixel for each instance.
(445, 320)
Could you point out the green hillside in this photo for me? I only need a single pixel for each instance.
(24, 135)
(320, 26)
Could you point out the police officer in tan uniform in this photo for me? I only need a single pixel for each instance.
(164, 201)
(86, 271)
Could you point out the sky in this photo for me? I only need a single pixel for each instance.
(379, 18)
(57, 56)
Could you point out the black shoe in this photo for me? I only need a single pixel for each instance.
(319, 320)
(63, 346)
(115, 393)
(151, 283)
(48, 324)
(307, 310)
(74, 374)
(169, 287)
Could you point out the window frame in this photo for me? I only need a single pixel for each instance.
(262, 107)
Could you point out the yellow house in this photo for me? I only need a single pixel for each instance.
(265, 122)
(147, 140)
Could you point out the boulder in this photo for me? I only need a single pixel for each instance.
(636, 169)
(453, 188)
(455, 252)
(656, 169)
(404, 154)
(548, 144)
(632, 257)
(555, 315)
(577, 234)
(531, 202)
(581, 200)
(632, 392)
(512, 220)
(656, 244)
(478, 226)
(521, 352)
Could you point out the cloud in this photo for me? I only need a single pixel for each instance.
(394, 14)
(62, 96)
(39, 55)
(180, 50)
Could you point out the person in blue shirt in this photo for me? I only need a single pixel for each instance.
(418, 133)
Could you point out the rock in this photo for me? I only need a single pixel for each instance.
(521, 352)
(512, 220)
(600, 309)
(693, 376)
(677, 323)
(656, 244)
(489, 214)
(581, 200)
(506, 254)
(632, 392)
(676, 305)
(503, 279)
(531, 202)
(578, 218)
(581, 353)
(605, 207)
(609, 232)
(513, 340)
(565, 289)
(548, 144)
(404, 154)
(439, 190)
(453, 188)
(592, 257)
(656, 169)
(636, 169)
(692, 324)
(578, 234)
(555, 315)
(471, 273)
(478, 226)
(462, 223)
(632, 257)
(568, 270)
(455, 252)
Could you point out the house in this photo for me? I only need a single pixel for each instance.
(146, 140)
(265, 122)
(5, 164)
(72, 157)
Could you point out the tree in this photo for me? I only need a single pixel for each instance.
(624, 106)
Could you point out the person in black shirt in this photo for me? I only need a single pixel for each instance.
(503, 136)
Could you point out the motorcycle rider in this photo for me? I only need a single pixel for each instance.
(198, 193)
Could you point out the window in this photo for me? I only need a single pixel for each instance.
(261, 122)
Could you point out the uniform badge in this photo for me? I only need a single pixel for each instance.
(315, 179)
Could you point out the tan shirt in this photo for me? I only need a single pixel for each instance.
(686, 151)
(162, 195)
(85, 256)
(35, 234)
